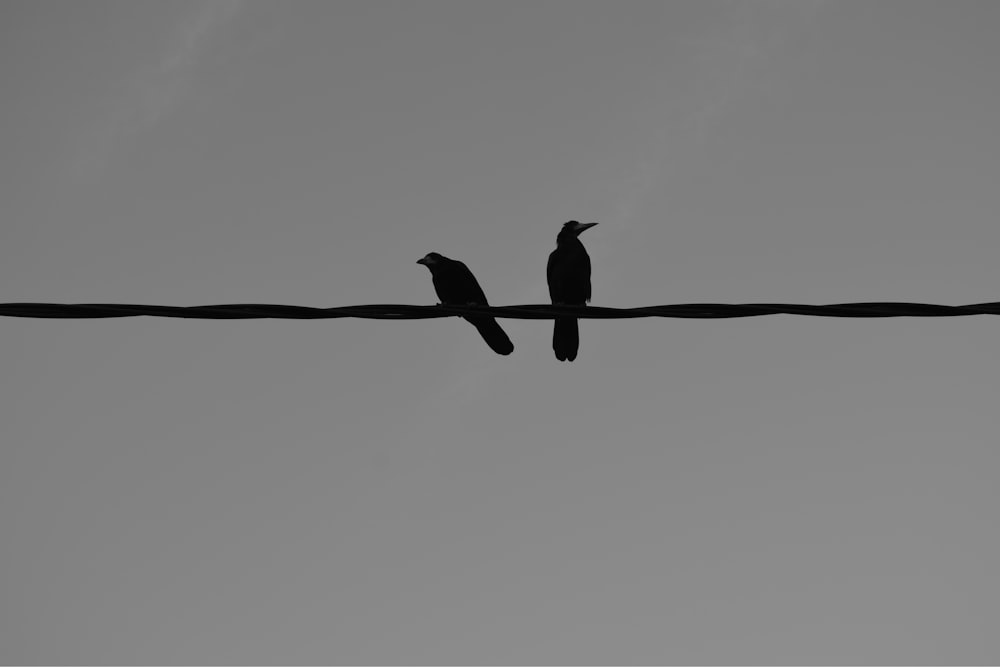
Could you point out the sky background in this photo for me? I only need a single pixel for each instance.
(769, 490)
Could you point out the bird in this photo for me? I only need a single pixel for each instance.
(455, 285)
(568, 273)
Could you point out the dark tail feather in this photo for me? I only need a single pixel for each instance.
(494, 336)
(566, 338)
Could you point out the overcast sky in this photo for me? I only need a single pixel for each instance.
(768, 490)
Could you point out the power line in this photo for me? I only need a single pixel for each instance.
(250, 311)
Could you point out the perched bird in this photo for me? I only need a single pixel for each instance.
(568, 272)
(455, 285)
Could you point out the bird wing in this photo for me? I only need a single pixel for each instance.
(471, 291)
(552, 275)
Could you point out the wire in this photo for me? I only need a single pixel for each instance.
(250, 311)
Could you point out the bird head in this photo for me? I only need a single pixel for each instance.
(572, 229)
(430, 259)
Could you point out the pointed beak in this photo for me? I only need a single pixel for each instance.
(422, 260)
(584, 226)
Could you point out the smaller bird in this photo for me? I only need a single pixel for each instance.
(568, 273)
(456, 286)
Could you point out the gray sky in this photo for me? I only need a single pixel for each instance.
(771, 490)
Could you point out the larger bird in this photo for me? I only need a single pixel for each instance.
(568, 273)
(455, 285)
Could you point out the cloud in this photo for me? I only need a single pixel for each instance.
(726, 61)
(157, 92)
(152, 92)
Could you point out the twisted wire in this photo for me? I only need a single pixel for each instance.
(249, 311)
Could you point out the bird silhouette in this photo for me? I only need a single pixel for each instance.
(568, 273)
(455, 285)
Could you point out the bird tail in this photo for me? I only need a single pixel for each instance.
(493, 334)
(566, 338)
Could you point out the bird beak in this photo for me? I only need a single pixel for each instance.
(425, 260)
(583, 226)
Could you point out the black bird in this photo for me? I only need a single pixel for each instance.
(568, 272)
(455, 285)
